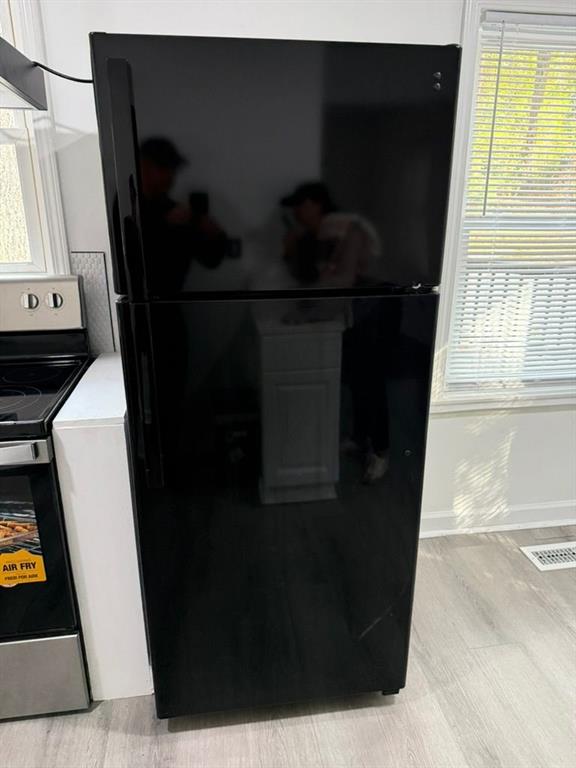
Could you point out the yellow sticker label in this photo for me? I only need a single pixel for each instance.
(21, 567)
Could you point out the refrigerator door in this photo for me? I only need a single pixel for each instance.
(236, 165)
(278, 495)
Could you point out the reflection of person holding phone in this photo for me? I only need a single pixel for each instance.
(212, 243)
(174, 231)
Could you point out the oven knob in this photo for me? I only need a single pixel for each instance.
(54, 300)
(29, 300)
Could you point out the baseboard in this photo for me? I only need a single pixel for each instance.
(514, 517)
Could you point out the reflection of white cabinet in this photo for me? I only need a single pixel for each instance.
(300, 404)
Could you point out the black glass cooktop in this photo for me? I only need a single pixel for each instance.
(31, 392)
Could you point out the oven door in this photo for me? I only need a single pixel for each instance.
(36, 596)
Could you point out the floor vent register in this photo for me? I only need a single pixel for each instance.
(552, 557)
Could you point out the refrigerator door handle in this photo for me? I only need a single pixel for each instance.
(127, 229)
(146, 430)
(153, 464)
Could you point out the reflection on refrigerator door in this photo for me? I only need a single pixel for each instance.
(300, 391)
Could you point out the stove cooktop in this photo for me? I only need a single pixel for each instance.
(31, 393)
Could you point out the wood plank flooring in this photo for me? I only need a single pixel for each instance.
(491, 683)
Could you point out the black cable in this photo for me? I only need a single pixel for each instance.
(61, 74)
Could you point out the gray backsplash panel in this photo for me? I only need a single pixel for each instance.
(91, 266)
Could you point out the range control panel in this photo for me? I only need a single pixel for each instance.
(40, 303)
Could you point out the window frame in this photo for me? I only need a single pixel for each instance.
(38, 170)
(444, 400)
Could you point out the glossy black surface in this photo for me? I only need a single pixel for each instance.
(233, 405)
(29, 392)
(37, 608)
(206, 143)
(43, 345)
(37, 372)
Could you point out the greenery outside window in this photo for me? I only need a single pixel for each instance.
(512, 329)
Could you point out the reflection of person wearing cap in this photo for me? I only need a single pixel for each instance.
(309, 202)
(160, 162)
(335, 249)
(328, 247)
(170, 229)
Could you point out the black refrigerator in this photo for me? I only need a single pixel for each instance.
(277, 214)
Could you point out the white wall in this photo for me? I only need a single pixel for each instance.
(485, 468)
(67, 25)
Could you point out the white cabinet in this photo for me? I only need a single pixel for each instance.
(92, 462)
(300, 371)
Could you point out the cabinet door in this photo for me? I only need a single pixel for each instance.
(300, 427)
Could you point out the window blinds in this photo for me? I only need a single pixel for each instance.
(514, 315)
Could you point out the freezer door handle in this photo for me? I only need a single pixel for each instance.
(127, 226)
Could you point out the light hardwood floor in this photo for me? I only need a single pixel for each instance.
(491, 682)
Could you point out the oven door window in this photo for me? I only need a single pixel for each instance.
(21, 560)
(35, 587)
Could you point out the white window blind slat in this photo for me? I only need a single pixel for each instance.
(514, 315)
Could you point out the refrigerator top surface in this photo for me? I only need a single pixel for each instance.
(235, 165)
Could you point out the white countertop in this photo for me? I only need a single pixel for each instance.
(98, 397)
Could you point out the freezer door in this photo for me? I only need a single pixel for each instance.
(278, 500)
(241, 165)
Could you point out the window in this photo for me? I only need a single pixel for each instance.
(513, 324)
(20, 244)
(31, 223)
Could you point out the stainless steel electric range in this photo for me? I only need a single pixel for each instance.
(43, 353)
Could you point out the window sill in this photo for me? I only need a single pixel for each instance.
(528, 399)
(25, 269)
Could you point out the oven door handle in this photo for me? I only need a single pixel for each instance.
(29, 452)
